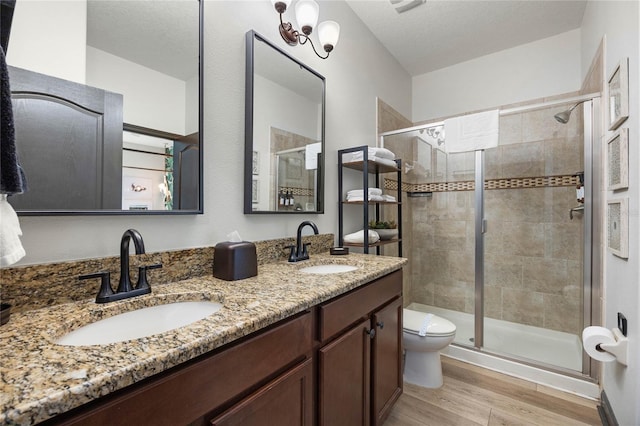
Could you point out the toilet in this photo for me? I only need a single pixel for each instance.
(424, 336)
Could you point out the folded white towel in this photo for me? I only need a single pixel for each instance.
(472, 132)
(358, 237)
(360, 192)
(361, 198)
(381, 153)
(11, 249)
(389, 198)
(358, 156)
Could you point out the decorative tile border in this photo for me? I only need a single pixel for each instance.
(507, 183)
(304, 192)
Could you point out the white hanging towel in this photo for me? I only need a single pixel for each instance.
(11, 249)
(311, 152)
(472, 132)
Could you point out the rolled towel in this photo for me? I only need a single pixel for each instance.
(358, 237)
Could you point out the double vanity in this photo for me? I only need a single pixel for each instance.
(301, 343)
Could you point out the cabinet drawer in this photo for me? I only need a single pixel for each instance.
(338, 314)
(285, 401)
(187, 393)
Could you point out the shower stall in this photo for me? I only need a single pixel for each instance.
(500, 240)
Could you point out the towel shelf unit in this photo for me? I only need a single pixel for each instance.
(368, 167)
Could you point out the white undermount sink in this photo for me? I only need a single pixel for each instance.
(140, 323)
(328, 269)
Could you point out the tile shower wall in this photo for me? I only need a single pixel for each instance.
(533, 250)
(390, 119)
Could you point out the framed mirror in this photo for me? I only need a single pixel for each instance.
(111, 123)
(284, 132)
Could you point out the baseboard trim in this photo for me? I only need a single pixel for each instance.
(606, 412)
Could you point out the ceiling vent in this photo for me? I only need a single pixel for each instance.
(402, 6)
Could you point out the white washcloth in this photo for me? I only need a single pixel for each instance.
(11, 249)
(358, 237)
(425, 325)
(472, 132)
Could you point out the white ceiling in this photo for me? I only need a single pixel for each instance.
(441, 33)
(431, 36)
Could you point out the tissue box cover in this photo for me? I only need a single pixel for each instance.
(235, 260)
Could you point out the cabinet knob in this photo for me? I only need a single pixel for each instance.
(371, 332)
(380, 324)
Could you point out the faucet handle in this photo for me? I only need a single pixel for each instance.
(105, 285)
(305, 250)
(142, 275)
(292, 252)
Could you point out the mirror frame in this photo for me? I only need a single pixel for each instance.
(250, 37)
(200, 209)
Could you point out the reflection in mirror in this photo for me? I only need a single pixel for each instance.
(284, 132)
(135, 62)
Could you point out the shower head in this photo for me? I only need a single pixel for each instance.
(564, 116)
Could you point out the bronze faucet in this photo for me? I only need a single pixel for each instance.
(125, 289)
(300, 251)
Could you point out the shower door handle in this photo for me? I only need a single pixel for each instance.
(484, 226)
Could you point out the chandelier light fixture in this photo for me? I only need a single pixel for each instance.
(307, 16)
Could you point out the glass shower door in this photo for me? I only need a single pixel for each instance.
(534, 239)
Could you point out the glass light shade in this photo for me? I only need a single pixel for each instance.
(328, 33)
(286, 4)
(307, 12)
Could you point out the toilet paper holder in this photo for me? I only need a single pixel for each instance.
(619, 349)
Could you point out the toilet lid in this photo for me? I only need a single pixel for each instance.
(413, 321)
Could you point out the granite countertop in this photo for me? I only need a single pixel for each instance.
(40, 379)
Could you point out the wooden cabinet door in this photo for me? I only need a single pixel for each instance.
(343, 378)
(286, 401)
(386, 363)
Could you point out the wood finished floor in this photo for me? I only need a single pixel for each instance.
(476, 396)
